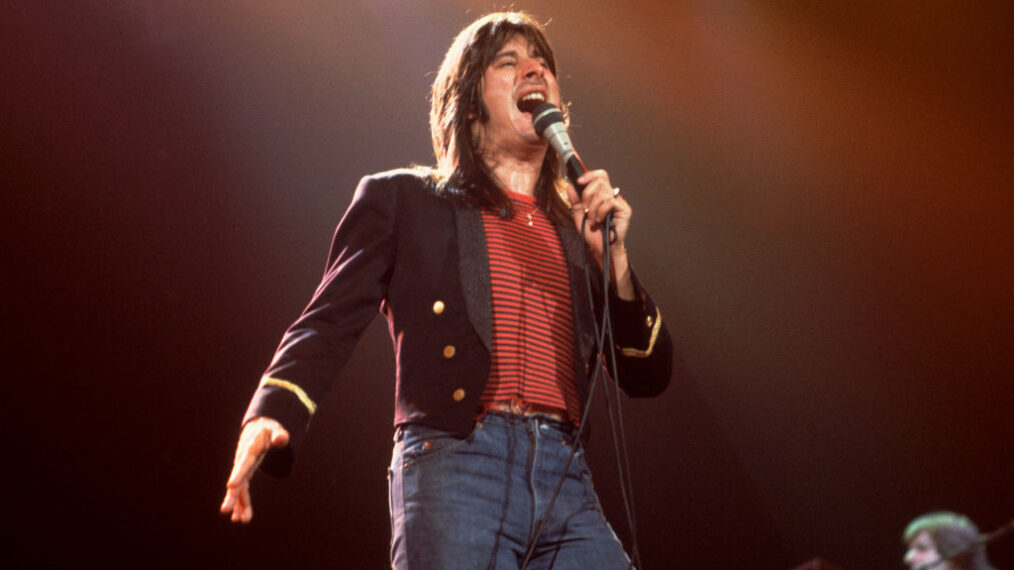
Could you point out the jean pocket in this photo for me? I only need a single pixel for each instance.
(421, 443)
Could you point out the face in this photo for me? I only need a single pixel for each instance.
(922, 550)
(516, 76)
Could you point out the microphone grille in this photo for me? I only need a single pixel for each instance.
(545, 115)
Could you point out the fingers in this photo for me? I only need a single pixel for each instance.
(249, 453)
(237, 503)
(600, 197)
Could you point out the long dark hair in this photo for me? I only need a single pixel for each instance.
(457, 100)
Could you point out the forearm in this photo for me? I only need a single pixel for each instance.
(619, 274)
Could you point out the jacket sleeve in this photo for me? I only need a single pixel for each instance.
(318, 344)
(643, 347)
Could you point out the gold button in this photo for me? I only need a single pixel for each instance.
(449, 351)
(648, 320)
(438, 307)
(458, 395)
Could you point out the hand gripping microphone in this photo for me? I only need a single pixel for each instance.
(549, 123)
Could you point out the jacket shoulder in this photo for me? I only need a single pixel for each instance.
(418, 177)
(417, 181)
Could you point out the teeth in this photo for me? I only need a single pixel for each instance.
(529, 102)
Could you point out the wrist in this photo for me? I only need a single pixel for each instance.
(619, 274)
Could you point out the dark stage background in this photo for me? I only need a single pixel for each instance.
(823, 203)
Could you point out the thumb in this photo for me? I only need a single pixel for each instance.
(279, 437)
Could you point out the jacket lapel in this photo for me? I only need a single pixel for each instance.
(577, 259)
(473, 262)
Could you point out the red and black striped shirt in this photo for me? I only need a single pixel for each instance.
(533, 330)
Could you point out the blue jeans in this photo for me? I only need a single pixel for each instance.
(474, 503)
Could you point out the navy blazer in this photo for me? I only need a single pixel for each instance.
(419, 255)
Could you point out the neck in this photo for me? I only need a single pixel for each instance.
(519, 173)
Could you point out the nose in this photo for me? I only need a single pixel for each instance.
(533, 68)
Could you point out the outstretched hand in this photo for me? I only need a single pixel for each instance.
(258, 437)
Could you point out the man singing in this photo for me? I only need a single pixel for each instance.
(482, 271)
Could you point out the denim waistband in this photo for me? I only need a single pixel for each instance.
(514, 420)
(509, 420)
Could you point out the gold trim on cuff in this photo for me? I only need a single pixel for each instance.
(299, 392)
(638, 353)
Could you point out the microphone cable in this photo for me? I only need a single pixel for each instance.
(616, 418)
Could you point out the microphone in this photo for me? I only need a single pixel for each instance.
(550, 124)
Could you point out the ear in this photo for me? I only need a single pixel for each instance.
(475, 127)
(478, 116)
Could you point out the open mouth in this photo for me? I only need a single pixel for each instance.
(529, 102)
